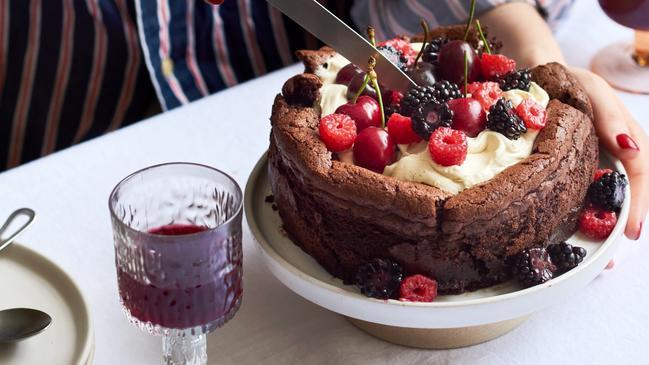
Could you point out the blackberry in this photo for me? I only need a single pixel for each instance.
(519, 79)
(566, 256)
(533, 266)
(394, 55)
(608, 191)
(379, 278)
(431, 51)
(503, 119)
(430, 117)
(391, 109)
(416, 97)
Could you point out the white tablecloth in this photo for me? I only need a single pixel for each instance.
(601, 324)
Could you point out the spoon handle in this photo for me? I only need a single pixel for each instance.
(22, 211)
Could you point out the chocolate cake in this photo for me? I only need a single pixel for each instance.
(342, 214)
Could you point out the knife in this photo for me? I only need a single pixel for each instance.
(320, 22)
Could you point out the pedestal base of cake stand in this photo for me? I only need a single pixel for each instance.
(438, 338)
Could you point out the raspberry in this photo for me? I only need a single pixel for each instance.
(487, 93)
(402, 46)
(608, 191)
(566, 256)
(520, 80)
(338, 132)
(502, 119)
(400, 129)
(597, 223)
(448, 146)
(493, 66)
(600, 172)
(533, 266)
(395, 97)
(379, 278)
(532, 113)
(418, 288)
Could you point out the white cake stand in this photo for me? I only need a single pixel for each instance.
(448, 322)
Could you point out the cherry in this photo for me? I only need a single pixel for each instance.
(468, 116)
(374, 149)
(423, 74)
(347, 73)
(356, 83)
(365, 112)
(450, 62)
(214, 2)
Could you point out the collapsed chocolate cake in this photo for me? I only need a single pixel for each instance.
(343, 214)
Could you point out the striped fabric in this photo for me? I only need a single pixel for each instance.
(394, 17)
(73, 69)
(69, 70)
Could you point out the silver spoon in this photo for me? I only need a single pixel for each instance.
(19, 323)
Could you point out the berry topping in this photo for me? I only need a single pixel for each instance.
(374, 149)
(520, 80)
(597, 223)
(394, 55)
(599, 173)
(394, 102)
(444, 91)
(430, 117)
(347, 73)
(402, 46)
(379, 278)
(487, 93)
(607, 192)
(400, 129)
(503, 120)
(566, 256)
(422, 74)
(337, 131)
(532, 113)
(448, 146)
(418, 288)
(431, 51)
(450, 62)
(415, 98)
(493, 66)
(533, 266)
(365, 112)
(468, 116)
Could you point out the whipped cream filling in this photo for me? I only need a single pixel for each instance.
(489, 153)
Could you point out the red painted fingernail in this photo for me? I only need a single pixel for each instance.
(626, 142)
(637, 236)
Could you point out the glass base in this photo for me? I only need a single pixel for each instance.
(616, 65)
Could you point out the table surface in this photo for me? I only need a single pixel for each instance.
(602, 323)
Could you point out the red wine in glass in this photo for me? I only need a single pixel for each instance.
(626, 66)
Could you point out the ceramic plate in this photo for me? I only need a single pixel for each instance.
(30, 280)
(306, 277)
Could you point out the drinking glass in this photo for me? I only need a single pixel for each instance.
(177, 235)
(626, 66)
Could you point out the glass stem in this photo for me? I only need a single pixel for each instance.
(641, 54)
(184, 350)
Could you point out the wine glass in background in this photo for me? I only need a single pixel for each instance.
(626, 66)
(177, 237)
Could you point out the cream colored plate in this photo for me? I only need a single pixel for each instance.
(499, 303)
(28, 279)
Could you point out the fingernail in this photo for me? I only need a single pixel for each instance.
(626, 142)
(637, 236)
(610, 265)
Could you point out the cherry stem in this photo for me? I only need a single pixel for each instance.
(424, 25)
(371, 35)
(466, 74)
(484, 39)
(371, 74)
(468, 24)
(366, 80)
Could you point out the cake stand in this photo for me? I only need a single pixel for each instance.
(451, 320)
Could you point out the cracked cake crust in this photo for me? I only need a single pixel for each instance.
(342, 214)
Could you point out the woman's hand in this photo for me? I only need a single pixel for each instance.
(624, 138)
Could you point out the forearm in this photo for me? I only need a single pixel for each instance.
(526, 37)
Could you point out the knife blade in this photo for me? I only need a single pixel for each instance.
(324, 25)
